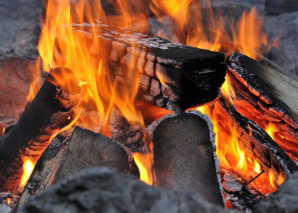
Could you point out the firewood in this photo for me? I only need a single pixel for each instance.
(47, 169)
(183, 156)
(88, 149)
(171, 73)
(130, 135)
(266, 96)
(52, 109)
(256, 144)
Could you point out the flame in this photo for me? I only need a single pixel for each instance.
(8, 200)
(28, 168)
(144, 162)
(271, 130)
(62, 46)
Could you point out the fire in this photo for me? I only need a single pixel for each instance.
(62, 46)
(28, 168)
(145, 165)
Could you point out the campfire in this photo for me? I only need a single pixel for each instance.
(197, 109)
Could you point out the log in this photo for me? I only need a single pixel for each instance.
(52, 109)
(130, 135)
(171, 73)
(183, 156)
(89, 149)
(257, 145)
(267, 97)
(47, 168)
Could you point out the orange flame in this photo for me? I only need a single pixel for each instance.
(144, 161)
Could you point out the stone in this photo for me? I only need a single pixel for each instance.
(283, 200)
(20, 20)
(105, 190)
(284, 28)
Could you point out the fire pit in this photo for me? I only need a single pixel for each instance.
(200, 109)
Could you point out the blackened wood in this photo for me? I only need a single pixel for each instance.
(184, 71)
(47, 168)
(130, 135)
(50, 111)
(267, 83)
(183, 156)
(267, 97)
(89, 149)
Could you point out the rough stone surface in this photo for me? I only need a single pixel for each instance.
(285, 28)
(276, 7)
(284, 200)
(20, 26)
(15, 77)
(105, 190)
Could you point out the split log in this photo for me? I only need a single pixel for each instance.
(52, 109)
(257, 145)
(183, 156)
(47, 168)
(171, 73)
(89, 149)
(266, 96)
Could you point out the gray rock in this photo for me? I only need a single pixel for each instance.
(19, 24)
(284, 200)
(5, 209)
(105, 190)
(277, 7)
(285, 28)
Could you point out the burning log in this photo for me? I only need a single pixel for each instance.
(88, 149)
(183, 156)
(47, 168)
(270, 162)
(52, 109)
(122, 131)
(171, 73)
(267, 97)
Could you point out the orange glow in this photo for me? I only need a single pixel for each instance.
(28, 167)
(145, 164)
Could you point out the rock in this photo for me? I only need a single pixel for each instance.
(5, 209)
(16, 75)
(20, 26)
(105, 190)
(285, 28)
(276, 7)
(283, 200)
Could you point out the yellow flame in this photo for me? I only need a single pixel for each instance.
(28, 167)
(144, 162)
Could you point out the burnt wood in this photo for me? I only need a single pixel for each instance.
(47, 168)
(266, 96)
(183, 156)
(89, 149)
(256, 143)
(176, 72)
(52, 109)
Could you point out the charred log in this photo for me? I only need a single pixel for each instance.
(50, 111)
(183, 156)
(47, 168)
(171, 73)
(88, 149)
(130, 135)
(256, 144)
(267, 97)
